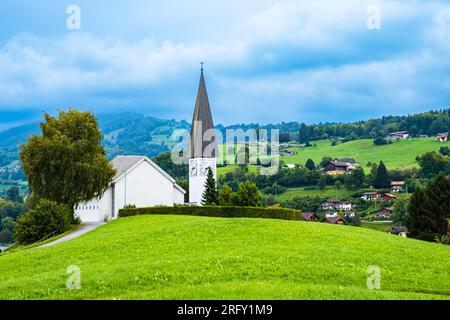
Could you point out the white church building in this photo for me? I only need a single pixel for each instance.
(138, 181)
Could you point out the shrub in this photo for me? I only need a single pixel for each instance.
(217, 211)
(45, 219)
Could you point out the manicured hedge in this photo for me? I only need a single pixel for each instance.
(213, 211)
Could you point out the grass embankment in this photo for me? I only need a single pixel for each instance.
(185, 257)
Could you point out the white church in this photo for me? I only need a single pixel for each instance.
(142, 183)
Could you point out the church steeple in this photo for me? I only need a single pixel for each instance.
(201, 122)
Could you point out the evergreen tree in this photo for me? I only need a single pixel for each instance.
(429, 210)
(210, 196)
(381, 178)
(310, 164)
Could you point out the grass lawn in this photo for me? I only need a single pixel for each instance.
(221, 171)
(328, 192)
(383, 227)
(182, 257)
(399, 154)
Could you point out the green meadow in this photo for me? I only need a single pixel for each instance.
(182, 257)
(328, 192)
(399, 154)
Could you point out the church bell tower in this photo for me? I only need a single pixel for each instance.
(203, 149)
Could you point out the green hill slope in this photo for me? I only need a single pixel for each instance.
(174, 257)
(399, 154)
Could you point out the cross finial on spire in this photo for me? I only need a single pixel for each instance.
(202, 64)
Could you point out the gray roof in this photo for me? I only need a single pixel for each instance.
(201, 122)
(124, 163)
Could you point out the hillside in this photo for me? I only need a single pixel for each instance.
(174, 257)
(399, 154)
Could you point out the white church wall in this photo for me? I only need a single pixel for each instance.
(146, 187)
(178, 196)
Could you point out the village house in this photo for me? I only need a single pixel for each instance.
(310, 216)
(399, 231)
(334, 204)
(369, 196)
(442, 137)
(338, 167)
(385, 213)
(139, 182)
(334, 220)
(330, 204)
(397, 186)
(397, 135)
(388, 197)
(331, 214)
(350, 214)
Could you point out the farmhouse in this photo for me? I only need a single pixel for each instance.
(385, 213)
(397, 186)
(397, 135)
(399, 231)
(338, 167)
(332, 204)
(138, 181)
(368, 196)
(310, 216)
(334, 220)
(389, 197)
(442, 137)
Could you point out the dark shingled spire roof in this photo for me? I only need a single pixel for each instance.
(201, 122)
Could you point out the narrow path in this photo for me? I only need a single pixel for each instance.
(85, 228)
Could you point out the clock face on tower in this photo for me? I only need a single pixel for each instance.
(205, 165)
(193, 170)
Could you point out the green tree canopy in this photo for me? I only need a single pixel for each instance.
(13, 193)
(247, 195)
(429, 210)
(226, 196)
(66, 163)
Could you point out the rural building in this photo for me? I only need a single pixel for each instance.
(397, 186)
(369, 196)
(138, 181)
(332, 204)
(310, 216)
(331, 214)
(385, 213)
(338, 167)
(397, 135)
(334, 220)
(388, 197)
(399, 231)
(442, 137)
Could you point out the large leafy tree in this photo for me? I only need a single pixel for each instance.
(381, 178)
(66, 163)
(248, 195)
(429, 210)
(210, 196)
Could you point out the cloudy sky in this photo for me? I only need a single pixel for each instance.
(265, 60)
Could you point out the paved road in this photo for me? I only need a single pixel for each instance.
(85, 228)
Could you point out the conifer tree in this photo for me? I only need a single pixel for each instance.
(381, 178)
(210, 196)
